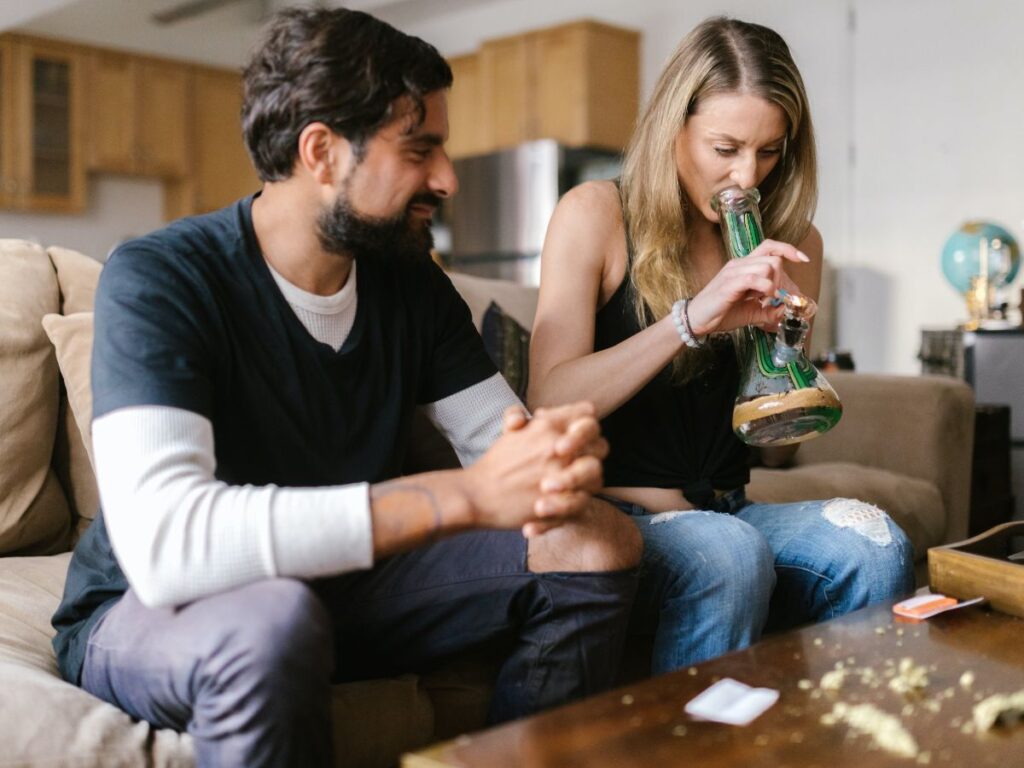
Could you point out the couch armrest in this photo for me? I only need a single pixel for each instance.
(921, 426)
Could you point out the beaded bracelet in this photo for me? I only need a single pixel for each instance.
(681, 319)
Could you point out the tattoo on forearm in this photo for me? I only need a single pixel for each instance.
(392, 493)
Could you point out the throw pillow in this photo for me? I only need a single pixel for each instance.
(508, 344)
(77, 276)
(71, 336)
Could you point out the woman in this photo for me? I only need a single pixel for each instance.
(729, 109)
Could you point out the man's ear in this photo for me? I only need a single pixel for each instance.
(323, 154)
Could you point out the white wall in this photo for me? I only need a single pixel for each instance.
(939, 133)
(119, 208)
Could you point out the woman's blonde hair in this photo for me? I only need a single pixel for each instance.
(719, 56)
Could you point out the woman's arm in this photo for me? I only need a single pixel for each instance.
(585, 242)
(585, 251)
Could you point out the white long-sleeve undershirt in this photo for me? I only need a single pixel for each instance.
(180, 534)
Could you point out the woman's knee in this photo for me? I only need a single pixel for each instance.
(708, 552)
(877, 550)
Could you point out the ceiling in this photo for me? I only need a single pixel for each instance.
(222, 36)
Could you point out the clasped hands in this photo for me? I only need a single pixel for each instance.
(541, 472)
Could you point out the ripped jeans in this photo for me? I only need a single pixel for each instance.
(711, 582)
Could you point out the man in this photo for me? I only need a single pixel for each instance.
(255, 373)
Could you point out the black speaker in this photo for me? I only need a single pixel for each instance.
(991, 491)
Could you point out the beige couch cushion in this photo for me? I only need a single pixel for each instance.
(34, 515)
(77, 277)
(478, 292)
(914, 504)
(71, 336)
(44, 720)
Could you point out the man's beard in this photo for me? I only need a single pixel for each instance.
(343, 231)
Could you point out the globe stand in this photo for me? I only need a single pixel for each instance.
(979, 308)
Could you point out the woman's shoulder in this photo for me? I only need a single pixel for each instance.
(812, 243)
(587, 236)
(591, 214)
(600, 194)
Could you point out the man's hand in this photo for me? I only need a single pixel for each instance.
(541, 472)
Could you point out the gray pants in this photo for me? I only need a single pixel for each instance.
(247, 672)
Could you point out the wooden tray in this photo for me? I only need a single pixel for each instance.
(990, 565)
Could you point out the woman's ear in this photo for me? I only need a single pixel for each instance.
(323, 154)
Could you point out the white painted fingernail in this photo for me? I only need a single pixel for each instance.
(803, 256)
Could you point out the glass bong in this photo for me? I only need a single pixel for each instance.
(782, 398)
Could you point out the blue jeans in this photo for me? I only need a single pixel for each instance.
(711, 582)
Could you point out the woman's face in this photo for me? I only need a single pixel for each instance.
(732, 139)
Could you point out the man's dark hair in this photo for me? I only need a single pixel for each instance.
(340, 67)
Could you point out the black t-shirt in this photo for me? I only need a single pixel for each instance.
(673, 434)
(190, 317)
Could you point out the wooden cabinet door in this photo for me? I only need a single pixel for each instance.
(223, 171)
(506, 78)
(587, 84)
(561, 85)
(163, 119)
(49, 112)
(110, 133)
(465, 111)
(8, 180)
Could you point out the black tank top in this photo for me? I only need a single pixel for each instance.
(673, 434)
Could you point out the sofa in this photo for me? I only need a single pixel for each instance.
(904, 443)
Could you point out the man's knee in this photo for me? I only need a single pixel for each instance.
(603, 539)
(279, 630)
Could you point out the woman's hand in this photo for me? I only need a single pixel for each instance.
(735, 297)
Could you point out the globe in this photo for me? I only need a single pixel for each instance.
(961, 255)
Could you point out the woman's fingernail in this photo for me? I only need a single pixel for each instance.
(803, 256)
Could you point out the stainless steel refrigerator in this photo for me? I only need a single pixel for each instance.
(495, 225)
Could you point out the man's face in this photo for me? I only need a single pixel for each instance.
(385, 203)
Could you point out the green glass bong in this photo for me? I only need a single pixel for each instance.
(782, 398)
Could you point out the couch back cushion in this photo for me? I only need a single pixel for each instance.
(34, 515)
(77, 278)
(71, 336)
(517, 301)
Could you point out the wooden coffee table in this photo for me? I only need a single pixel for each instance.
(644, 724)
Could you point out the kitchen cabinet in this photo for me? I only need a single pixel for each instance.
(586, 92)
(8, 185)
(507, 73)
(139, 115)
(41, 149)
(466, 134)
(577, 83)
(222, 171)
